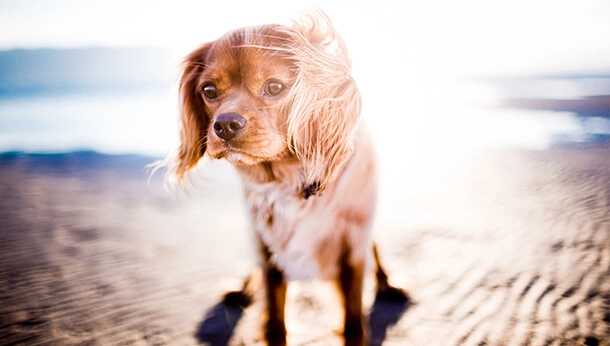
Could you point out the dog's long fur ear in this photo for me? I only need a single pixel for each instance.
(324, 103)
(195, 121)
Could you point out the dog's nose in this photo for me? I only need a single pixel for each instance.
(228, 125)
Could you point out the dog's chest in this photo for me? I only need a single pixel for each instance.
(294, 230)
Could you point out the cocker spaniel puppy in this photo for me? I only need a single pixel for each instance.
(279, 103)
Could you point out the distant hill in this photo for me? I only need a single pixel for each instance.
(25, 71)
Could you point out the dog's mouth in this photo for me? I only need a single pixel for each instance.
(247, 149)
(230, 153)
(238, 156)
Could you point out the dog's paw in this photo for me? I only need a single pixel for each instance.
(275, 334)
(393, 294)
(238, 299)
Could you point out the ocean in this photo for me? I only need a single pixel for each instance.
(119, 101)
(145, 121)
(110, 121)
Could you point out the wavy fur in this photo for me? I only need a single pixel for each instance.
(305, 159)
(324, 102)
(323, 96)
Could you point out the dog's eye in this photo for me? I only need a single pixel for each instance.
(273, 88)
(210, 91)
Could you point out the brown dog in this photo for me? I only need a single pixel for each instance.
(279, 103)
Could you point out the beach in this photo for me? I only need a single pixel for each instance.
(512, 249)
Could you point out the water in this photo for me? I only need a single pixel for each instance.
(128, 121)
(446, 119)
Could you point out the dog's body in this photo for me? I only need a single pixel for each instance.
(307, 236)
(280, 104)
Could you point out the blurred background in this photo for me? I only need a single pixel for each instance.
(439, 79)
(101, 75)
(450, 78)
(490, 245)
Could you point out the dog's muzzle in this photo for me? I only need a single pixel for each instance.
(228, 125)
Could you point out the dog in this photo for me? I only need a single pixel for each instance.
(279, 103)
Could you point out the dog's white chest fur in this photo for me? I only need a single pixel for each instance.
(293, 229)
(306, 238)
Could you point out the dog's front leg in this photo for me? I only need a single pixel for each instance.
(276, 285)
(351, 281)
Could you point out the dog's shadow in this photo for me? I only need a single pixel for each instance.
(386, 311)
(220, 321)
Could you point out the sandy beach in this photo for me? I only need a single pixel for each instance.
(514, 249)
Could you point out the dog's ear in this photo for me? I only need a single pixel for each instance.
(195, 121)
(324, 103)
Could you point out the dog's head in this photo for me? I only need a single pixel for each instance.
(267, 94)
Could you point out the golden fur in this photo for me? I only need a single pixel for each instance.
(304, 156)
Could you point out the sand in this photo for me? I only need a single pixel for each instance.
(514, 249)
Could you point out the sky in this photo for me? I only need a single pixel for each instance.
(469, 37)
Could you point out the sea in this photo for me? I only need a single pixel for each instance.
(125, 101)
(119, 121)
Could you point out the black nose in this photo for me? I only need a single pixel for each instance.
(228, 125)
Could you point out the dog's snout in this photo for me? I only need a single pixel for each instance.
(228, 125)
